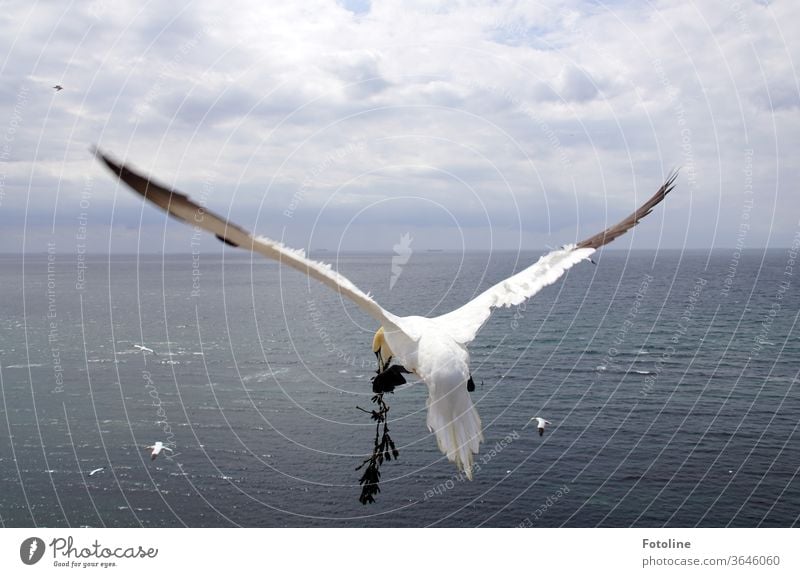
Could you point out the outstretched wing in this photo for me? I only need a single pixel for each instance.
(464, 323)
(623, 226)
(183, 208)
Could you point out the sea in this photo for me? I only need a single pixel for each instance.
(670, 379)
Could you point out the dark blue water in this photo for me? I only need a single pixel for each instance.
(670, 379)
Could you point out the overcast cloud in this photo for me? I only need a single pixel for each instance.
(347, 124)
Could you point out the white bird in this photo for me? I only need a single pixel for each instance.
(434, 349)
(144, 349)
(157, 447)
(540, 424)
(94, 472)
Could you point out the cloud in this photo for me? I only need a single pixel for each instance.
(576, 85)
(510, 120)
(359, 71)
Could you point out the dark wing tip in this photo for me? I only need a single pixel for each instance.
(104, 158)
(158, 194)
(632, 220)
(147, 187)
(175, 203)
(226, 241)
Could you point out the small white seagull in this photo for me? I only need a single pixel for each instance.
(145, 349)
(157, 448)
(94, 472)
(540, 424)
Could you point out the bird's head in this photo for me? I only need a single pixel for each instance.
(381, 349)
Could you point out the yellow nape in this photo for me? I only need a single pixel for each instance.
(378, 341)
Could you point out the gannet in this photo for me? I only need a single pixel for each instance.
(157, 448)
(94, 472)
(540, 424)
(434, 349)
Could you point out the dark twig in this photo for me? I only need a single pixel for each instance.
(384, 450)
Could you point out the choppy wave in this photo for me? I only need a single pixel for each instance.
(264, 376)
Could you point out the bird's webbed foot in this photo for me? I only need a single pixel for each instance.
(470, 384)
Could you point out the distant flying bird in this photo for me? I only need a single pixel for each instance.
(540, 424)
(58, 88)
(94, 472)
(145, 349)
(435, 349)
(157, 447)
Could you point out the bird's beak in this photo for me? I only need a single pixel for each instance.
(377, 348)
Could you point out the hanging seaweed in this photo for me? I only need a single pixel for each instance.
(384, 450)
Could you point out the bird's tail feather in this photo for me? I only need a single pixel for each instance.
(455, 421)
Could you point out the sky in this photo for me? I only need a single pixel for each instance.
(350, 125)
